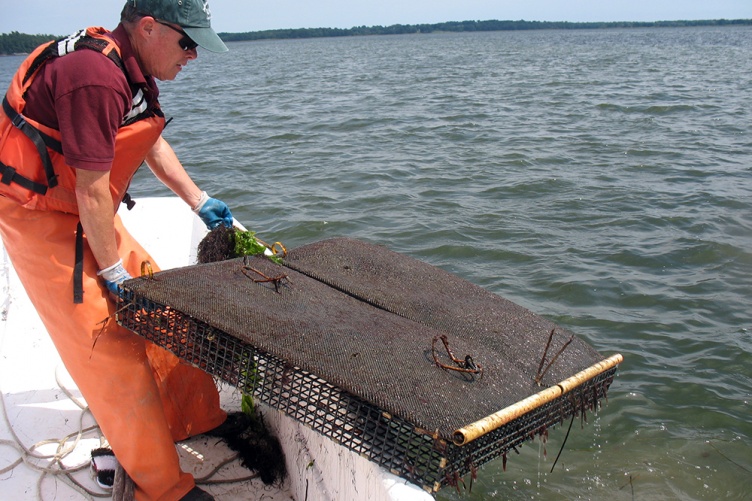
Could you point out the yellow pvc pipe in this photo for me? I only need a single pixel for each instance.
(498, 419)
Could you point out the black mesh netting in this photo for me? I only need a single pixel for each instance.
(343, 343)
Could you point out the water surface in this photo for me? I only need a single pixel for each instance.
(600, 178)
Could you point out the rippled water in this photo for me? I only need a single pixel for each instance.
(601, 178)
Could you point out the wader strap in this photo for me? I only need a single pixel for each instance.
(78, 268)
(37, 138)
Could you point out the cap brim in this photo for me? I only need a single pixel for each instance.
(206, 38)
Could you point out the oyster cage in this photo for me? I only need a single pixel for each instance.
(346, 337)
(402, 448)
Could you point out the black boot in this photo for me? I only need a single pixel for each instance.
(197, 494)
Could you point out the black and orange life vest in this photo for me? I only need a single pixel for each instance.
(33, 171)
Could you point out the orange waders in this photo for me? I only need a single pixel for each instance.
(142, 397)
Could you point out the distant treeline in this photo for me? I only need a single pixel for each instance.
(20, 43)
(459, 26)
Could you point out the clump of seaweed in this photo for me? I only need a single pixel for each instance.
(257, 448)
(217, 245)
(224, 243)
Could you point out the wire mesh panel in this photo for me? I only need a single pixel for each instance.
(363, 345)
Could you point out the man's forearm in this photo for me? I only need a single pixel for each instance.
(165, 165)
(96, 212)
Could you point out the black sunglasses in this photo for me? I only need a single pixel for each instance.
(185, 43)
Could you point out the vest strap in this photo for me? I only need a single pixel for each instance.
(9, 175)
(128, 201)
(35, 136)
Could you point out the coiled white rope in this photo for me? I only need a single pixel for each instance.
(31, 457)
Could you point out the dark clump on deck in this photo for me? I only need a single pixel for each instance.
(346, 336)
(259, 451)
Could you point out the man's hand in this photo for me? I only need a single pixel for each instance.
(213, 212)
(113, 276)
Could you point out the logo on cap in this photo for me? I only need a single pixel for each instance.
(206, 10)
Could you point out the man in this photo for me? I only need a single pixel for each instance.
(80, 116)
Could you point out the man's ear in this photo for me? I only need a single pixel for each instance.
(145, 26)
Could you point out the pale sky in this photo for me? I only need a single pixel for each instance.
(61, 17)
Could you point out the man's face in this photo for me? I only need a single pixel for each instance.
(164, 57)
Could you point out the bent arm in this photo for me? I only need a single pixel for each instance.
(165, 165)
(96, 212)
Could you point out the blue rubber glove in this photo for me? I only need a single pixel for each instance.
(213, 212)
(113, 276)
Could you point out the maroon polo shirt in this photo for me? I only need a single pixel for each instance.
(85, 96)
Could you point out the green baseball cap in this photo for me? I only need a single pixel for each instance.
(191, 15)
